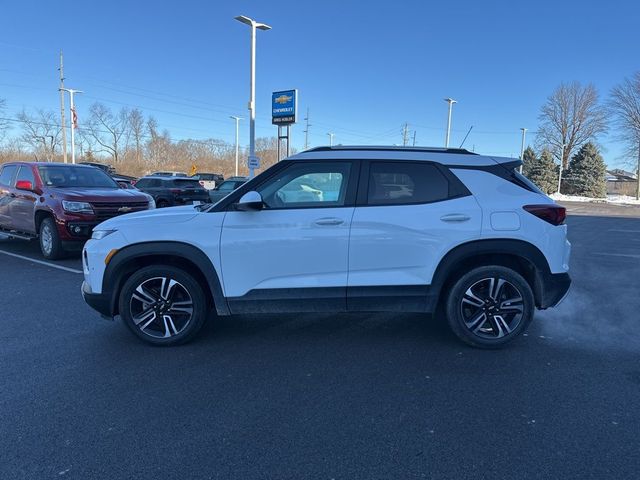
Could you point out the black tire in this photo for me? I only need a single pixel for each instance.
(49, 238)
(490, 306)
(145, 302)
(162, 203)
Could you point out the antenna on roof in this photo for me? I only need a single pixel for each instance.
(465, 137)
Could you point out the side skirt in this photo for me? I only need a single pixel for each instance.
(401, 298)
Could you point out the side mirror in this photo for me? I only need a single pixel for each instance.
(250, 201)
(24, 185)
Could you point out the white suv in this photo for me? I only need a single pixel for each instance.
(342, 229)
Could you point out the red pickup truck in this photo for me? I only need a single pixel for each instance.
(61, 203)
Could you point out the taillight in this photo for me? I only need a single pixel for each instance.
(554, 214)
(175, 191)
(201, 183)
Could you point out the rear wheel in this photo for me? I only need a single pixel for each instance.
(163, 305)
(50, 243)
(490, 306)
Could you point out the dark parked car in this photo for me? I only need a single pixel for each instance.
(209, 180)
(60, 203)
(105, 168)
(171, 191)
(225, 188)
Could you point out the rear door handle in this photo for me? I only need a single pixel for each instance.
(455, 217)
(329, 221)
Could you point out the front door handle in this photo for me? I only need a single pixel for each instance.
(329, 221)
(455, 217)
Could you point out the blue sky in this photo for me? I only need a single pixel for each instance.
(362, 68)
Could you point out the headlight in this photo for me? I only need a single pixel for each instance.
(77, 207)
(100, 234)
(152, 203)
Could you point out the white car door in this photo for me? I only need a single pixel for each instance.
(293, 252)
(409, 215)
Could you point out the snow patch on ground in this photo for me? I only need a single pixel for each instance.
(614, 199)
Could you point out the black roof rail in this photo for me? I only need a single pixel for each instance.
(383, 148)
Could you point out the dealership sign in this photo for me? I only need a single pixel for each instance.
(284, 107)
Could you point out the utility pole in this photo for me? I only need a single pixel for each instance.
(450, 101)
(306, 131)
(74, 121)
(237, 119)
(638, 174)
(64, 131)
(331, 135)
(524, 133)
(405, 134)
(560, 170)
(414, 138)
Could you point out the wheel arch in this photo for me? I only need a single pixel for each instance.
(40, 215)
(519, 255)
(182, 255)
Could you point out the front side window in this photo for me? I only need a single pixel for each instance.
(306, 184)
(26, 174)
(397, 183)
(7, 174)
(71, 176)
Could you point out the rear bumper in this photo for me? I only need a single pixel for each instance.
(100, 302)
(554, 288)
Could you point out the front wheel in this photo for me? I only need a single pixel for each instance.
(50, 243)
(163, 305)
(490, 306)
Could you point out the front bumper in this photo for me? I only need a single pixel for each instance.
(101, 302)
(554, 288)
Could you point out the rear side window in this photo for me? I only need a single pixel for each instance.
(26, 174)
(7, 174)
(399, 183)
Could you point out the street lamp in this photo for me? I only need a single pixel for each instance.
(237, 119)
(73, 120)
(252, 87)
(331, 135)
(450, 101)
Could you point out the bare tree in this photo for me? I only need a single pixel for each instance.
(159, 146)
(109, 131)
(4, 123)
(138, 128)
(42, 132)
(571, 117)
(625, 106)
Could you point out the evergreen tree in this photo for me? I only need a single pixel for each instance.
(586, 173)
(543, 171)
(528, 161)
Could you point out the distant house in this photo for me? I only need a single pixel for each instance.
(621, 182)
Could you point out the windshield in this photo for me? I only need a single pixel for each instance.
(70, 176)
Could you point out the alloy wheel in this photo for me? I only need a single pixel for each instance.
(492, 308)
(161, 307)
(46, 237)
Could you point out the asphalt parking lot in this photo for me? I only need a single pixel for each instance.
(370, 396)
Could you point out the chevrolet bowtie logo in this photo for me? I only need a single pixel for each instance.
(282, 99)
(124, 209)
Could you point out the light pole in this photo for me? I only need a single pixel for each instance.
(450, 101)
(524, 133)
(331, 135)
(73, 120)
(252, 86)
(237, 119)
(560, 169)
